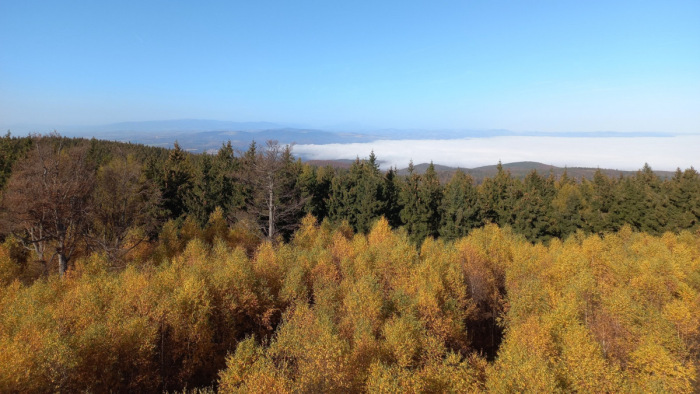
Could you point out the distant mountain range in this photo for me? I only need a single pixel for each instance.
(208, 135)
(202, 135)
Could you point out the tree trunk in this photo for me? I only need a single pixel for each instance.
(62, 264)
(271, 212)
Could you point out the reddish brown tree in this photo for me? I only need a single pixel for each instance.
(47, 199)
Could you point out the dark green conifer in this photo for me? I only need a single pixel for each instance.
(460, 207)
(684, 200)
(497, 198)
(177, 181)
(420, 198)
(358, 195)
(392, 206)
(533, 211)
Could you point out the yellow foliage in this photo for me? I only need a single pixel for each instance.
(216, 227)
(337, 312)
(526, 360)
(582, 366)
(654, 369)
(248, 370)
(403, 339)
(307, 235)
(381, 234)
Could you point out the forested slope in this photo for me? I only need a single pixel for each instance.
(136, 269)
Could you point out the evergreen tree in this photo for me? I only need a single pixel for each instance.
(497, 197)
(684, 200)
(342, 196)
(600, 216)
(420, 198)
(214, 185)
(358, 195)
(639, 202)
(533, 213)
(460, 207)
(568, 208)
(413, 210)
(98, 153)
(225, 190)
(177, 182)
(315, 183)
(392, 207)
(432, 195)
(654, 203)
(199, 201)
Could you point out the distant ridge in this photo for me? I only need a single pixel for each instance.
(205, 135)
(331, 163)
(521, 169)
(517, 170)
(202, 135)
(180, 125)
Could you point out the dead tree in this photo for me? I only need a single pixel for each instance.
(273, 198)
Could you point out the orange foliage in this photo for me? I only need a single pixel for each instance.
(337, 312)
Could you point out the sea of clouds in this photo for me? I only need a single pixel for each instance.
(623, 153)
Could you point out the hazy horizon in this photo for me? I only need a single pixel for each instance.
(426, 70)
(396, 148)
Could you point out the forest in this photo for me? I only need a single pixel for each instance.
(130, 268)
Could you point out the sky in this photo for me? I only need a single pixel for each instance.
(553, 66)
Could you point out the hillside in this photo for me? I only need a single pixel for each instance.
(161, 270)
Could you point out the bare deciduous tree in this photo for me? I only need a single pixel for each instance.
(47, 199)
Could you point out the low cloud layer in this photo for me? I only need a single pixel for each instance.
(627, 153)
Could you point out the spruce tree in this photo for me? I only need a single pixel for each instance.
(432, 196)
(413, 210)
(497, 198)
(420, 198)
(568, 207)
(654, 203)
(358, 195)
(533, 211)
(460, 207)
(684, 200)
(176, 182)
(392, 205)
(600, 216)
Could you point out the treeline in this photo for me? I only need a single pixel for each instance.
(333, 311)
(65, 196)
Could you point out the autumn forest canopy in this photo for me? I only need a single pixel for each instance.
(130, 268)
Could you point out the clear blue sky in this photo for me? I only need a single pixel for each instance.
(519, 65)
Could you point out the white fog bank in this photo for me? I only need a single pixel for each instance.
(625, 153)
